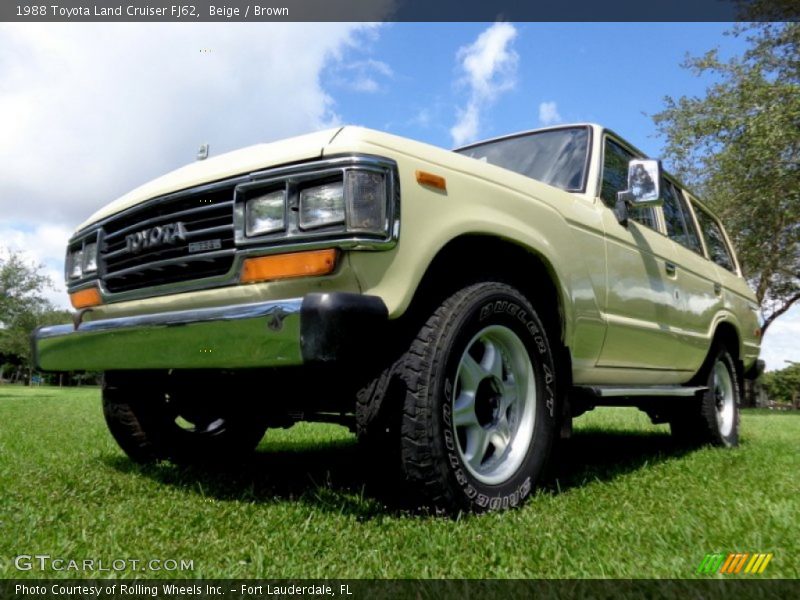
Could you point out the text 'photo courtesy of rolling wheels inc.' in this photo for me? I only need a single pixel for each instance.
(328, 298)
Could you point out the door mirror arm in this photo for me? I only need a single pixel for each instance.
(621, 207)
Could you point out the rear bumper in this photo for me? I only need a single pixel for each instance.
(315, 328)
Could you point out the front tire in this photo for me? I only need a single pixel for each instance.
(189, 425)
(480, 413)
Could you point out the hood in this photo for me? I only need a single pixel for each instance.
(230, 164)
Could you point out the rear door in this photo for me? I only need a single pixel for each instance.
(695, 279)
(735, 301)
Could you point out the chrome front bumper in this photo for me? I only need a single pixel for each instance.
(316, 328)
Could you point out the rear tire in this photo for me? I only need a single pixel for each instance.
(191, 426)
(480, 413)
(714, 418)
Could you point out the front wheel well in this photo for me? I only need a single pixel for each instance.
(470, 258)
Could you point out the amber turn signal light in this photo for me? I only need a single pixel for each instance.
(284, 266)
(429, 179)
(86, 298)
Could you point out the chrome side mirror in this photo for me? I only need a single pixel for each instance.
(644, 187)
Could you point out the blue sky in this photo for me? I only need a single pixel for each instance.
(107, 107)
(614, 74)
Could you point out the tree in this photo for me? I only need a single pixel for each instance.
(22, 305)
(739, 146)
(783, 385)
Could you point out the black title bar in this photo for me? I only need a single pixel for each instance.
(33, 11)
(386, 589)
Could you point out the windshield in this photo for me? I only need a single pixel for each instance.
(557, 156)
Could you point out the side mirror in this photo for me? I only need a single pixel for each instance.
(644, 187)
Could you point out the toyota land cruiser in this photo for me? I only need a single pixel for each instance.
(456, 308)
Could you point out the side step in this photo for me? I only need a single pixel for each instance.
(658, 401)
(586, 397)
(644, 391)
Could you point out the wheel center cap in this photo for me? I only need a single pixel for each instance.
(487, 401)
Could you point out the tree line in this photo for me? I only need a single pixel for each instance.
(23, 308)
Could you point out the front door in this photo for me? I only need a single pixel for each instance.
(642, 293)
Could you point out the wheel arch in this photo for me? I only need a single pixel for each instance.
(727, 332)
(472, 256)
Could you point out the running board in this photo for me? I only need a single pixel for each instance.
(645, 391)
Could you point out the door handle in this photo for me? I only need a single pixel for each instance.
(669, 268)
(718, 289)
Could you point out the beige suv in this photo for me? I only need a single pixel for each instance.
(456, 308)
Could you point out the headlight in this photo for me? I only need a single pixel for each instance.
(75, 265)
(366, 201)
(352, 200)
(90, 258)
(82, 257)
(265, 214)
(322, 205)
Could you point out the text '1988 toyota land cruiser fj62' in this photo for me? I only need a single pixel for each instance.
(456, 308)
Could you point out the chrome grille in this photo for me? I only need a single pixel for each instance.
(206, 249)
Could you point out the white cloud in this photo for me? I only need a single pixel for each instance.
(88, 112)
(490, 66)
(366, 85)
(781, 340)
(363, 75)
(548, 113)
(490, 63)
(378, 66)
(466, 127)
(423, 118)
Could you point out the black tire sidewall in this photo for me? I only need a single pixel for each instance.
(497, 304)
(144, 426)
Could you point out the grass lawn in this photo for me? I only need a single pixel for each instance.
(628, 503)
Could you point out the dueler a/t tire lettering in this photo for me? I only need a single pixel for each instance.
(481, 410)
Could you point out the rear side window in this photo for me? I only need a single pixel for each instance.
(680, 226)
(715, 240)
(615, 179)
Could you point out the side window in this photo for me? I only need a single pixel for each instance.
(615, 179)
(680, 226)
(692, 236)
(673, 216)
(717, 249)
(615, 171)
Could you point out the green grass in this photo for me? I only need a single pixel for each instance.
(629, 503)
